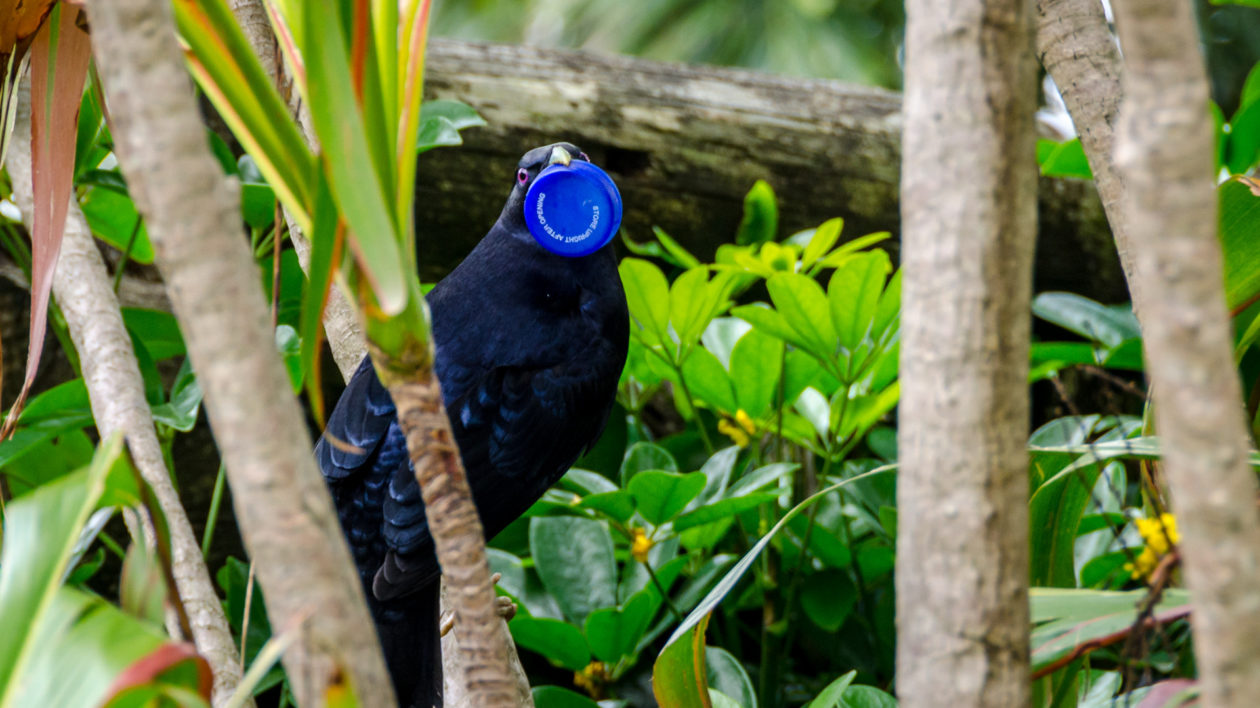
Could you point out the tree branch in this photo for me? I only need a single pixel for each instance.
(1164, 152)
(968, 207)
(116, 391)
(284, 510)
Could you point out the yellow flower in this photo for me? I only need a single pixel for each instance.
(740, 430)
(1160, 535)
(640, 545)
(592, 678)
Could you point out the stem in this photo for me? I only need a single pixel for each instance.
(126, 254)
(212, 517)
(669, 602)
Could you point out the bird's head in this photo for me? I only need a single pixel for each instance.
(533, 162)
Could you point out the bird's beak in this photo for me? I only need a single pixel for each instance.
(559, 156)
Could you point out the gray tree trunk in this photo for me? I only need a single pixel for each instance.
(1164, 149)
(969, 223)
(284, 511)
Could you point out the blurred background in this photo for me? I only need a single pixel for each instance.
(850, 40)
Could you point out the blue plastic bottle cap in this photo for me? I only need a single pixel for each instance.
(573, 210)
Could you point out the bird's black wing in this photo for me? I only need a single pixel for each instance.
(518, 430)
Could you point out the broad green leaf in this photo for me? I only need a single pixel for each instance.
(574, 559)
(159, 331)
(688, 305)
(720, 337)
(647, 295)
(680, 256)
(889, 307)
(1239, 231)
(866, 697)
(845, 251)
(1091, 320)
(660, 496)
(771, 322)
(1066, 159)
(1251, 88)
(679, 676)
(614, 632)
(586, 482)
(726, 674)
(440, 123)
(437, 132)
(708, 381)
(830, 696)
(756, 363)
(112, 217)
(854, 294)
(828, 597)
(181, 411)
(559, 641)
(1243, 149)
(646, 456)
(803, 304)
(761, 215)
(825, 236)
(617, 505)
(722, 509)
(557, 697)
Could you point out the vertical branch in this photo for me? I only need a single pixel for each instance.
(285, 514)
(1164, 149)
(458, 538)
(1077, 49)
(969, 217)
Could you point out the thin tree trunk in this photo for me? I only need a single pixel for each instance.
(968, 216)
(116, 391)
(1077, 49)
(285, 514)
(1164, 149)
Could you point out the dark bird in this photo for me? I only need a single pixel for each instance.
(529, 348)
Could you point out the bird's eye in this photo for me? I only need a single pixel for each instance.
(584, 156)
(522, 176)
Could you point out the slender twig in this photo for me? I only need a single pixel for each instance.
(212, 516)
(126, 254)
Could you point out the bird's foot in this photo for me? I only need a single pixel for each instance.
(504, 606)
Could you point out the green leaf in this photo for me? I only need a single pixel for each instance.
(722, 509)
(647, 295)
(674, 251)
(756, 363)
(679, 678)
(181, 411)
(830, 696)
(574, 559)
(1243, 148)
(1066, 159)
(769, 321)
(828, 597)
(854, 296)
(258, 205)
(159, 331)
(690, 304)
(457, 113)
(866, 697)
(113, 218)
(761, 215)
(726, 674)
(889, 307)
(586, 482)
(825, 236)
(1065, 619)
(660, 496)
(557, 697)
(804, 306)
(358, 182)
(617, 505)
(708, 381)
(1239, 231)
(561, 642)
(615, 632)
(643, 456)
(1091, 320)
(699, 616)
(41, 532)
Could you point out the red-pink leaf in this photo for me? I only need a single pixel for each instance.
(59, 64)
(152, 666)
(1164, 691)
